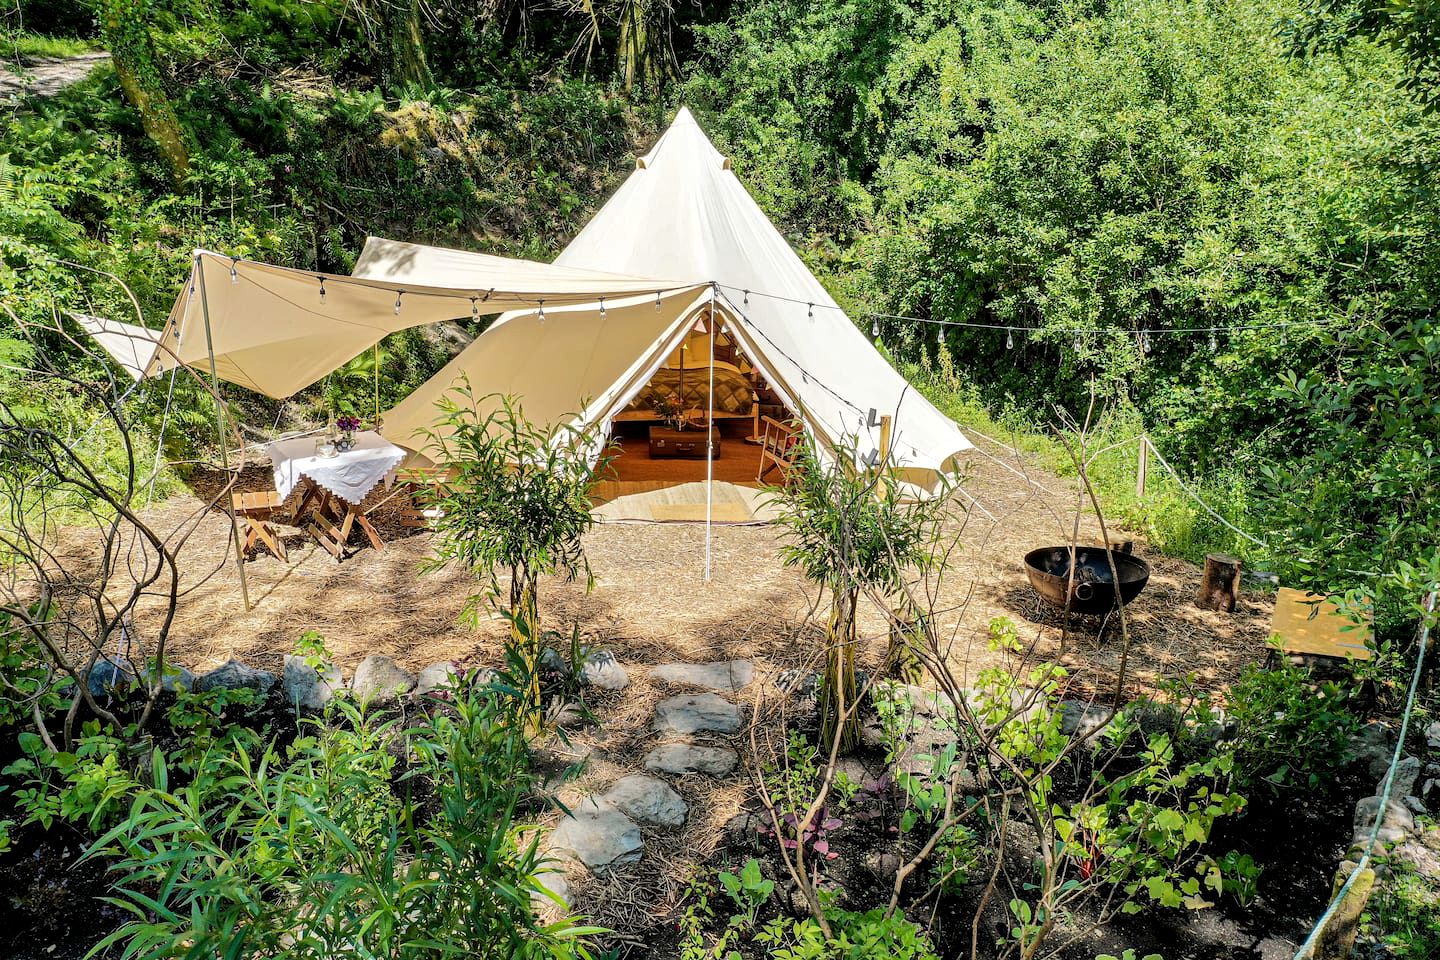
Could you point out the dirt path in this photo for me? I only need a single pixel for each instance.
(45, 76)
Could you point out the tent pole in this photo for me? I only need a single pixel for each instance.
(709, 448)
(220, 431)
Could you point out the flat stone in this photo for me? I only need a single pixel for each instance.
(379, 678)
(309, 687)
(728, 675)
(686, 758)
(598, 835)
(234, 675)
(177, 678)
(553, 661)
(1374, 746)
(437, 678)
(1407, 774)
(1397, 823)
(1081, 719)
(557, 884)
(601, 670)
(649, 800)
(107, 676)
(1432, 736)
(697, 713)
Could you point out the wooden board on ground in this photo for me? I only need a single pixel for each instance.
(1317, 629)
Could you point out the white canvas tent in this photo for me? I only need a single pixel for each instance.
(682, 213)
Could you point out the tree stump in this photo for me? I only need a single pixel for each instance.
(1220, 584)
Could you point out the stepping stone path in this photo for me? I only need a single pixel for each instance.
(700, 713)
(728, 675)
(648, 799)
(601, 831)
(598, 835)
(683, 759)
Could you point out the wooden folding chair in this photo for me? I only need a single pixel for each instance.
(779, 447)
(256, 510)
(420, 485)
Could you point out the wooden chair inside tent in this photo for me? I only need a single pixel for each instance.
(255, 511)
(779, 447)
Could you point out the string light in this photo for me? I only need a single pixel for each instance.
(542, 311)
(1078, 344)
(1145, 341)
(487, 295)
(1009, 339)
(474, 308)
(809, 311)
(234, 274)
(322, 291)
(398, 295)
(747, 298)
(939, 338)
(657, 301)
(1214, 344)
(875, 329)
(602, 309)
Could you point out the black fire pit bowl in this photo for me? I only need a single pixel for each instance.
(1092, 591)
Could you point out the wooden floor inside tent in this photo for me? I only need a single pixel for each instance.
(640, 488)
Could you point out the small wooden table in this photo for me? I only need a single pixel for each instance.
(332, 489)
(667, 443)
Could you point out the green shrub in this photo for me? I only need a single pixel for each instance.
(324, 849)
(854, 936)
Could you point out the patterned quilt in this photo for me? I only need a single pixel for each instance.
(733, 390)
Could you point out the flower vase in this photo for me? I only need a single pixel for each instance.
(345, 442)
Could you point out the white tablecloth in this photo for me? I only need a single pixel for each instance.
(349, 476)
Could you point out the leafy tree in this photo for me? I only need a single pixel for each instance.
(514, 507)
(126, 26)
(850, 532)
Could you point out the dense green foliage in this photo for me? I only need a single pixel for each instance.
(315, 848)
(1103, 182)
(1083, 173)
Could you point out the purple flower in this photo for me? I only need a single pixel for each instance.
(348, 424)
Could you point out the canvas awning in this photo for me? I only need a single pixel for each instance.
(277, 330)
(132, 348)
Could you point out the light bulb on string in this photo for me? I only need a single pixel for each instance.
(747, 298)
(322, 291)
(1145, 341)
(657, 301)
(939, 337)
(1078, 343)
(398, 294)
(809, 311)
(602, 309)
(1214, 344)
(875, 330)
(234, 274)
(542, 311)
(474, 308)
(1009, 339)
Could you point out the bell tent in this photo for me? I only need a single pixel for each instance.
(682, 213)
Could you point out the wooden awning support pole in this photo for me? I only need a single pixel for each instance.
(1142, 467)
(220, 430)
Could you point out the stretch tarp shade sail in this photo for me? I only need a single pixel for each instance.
(273, 331)
(683, 213)
(131, 347)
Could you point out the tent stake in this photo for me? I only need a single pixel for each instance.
(220, 431)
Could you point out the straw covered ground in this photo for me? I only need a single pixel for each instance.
(650, 604)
